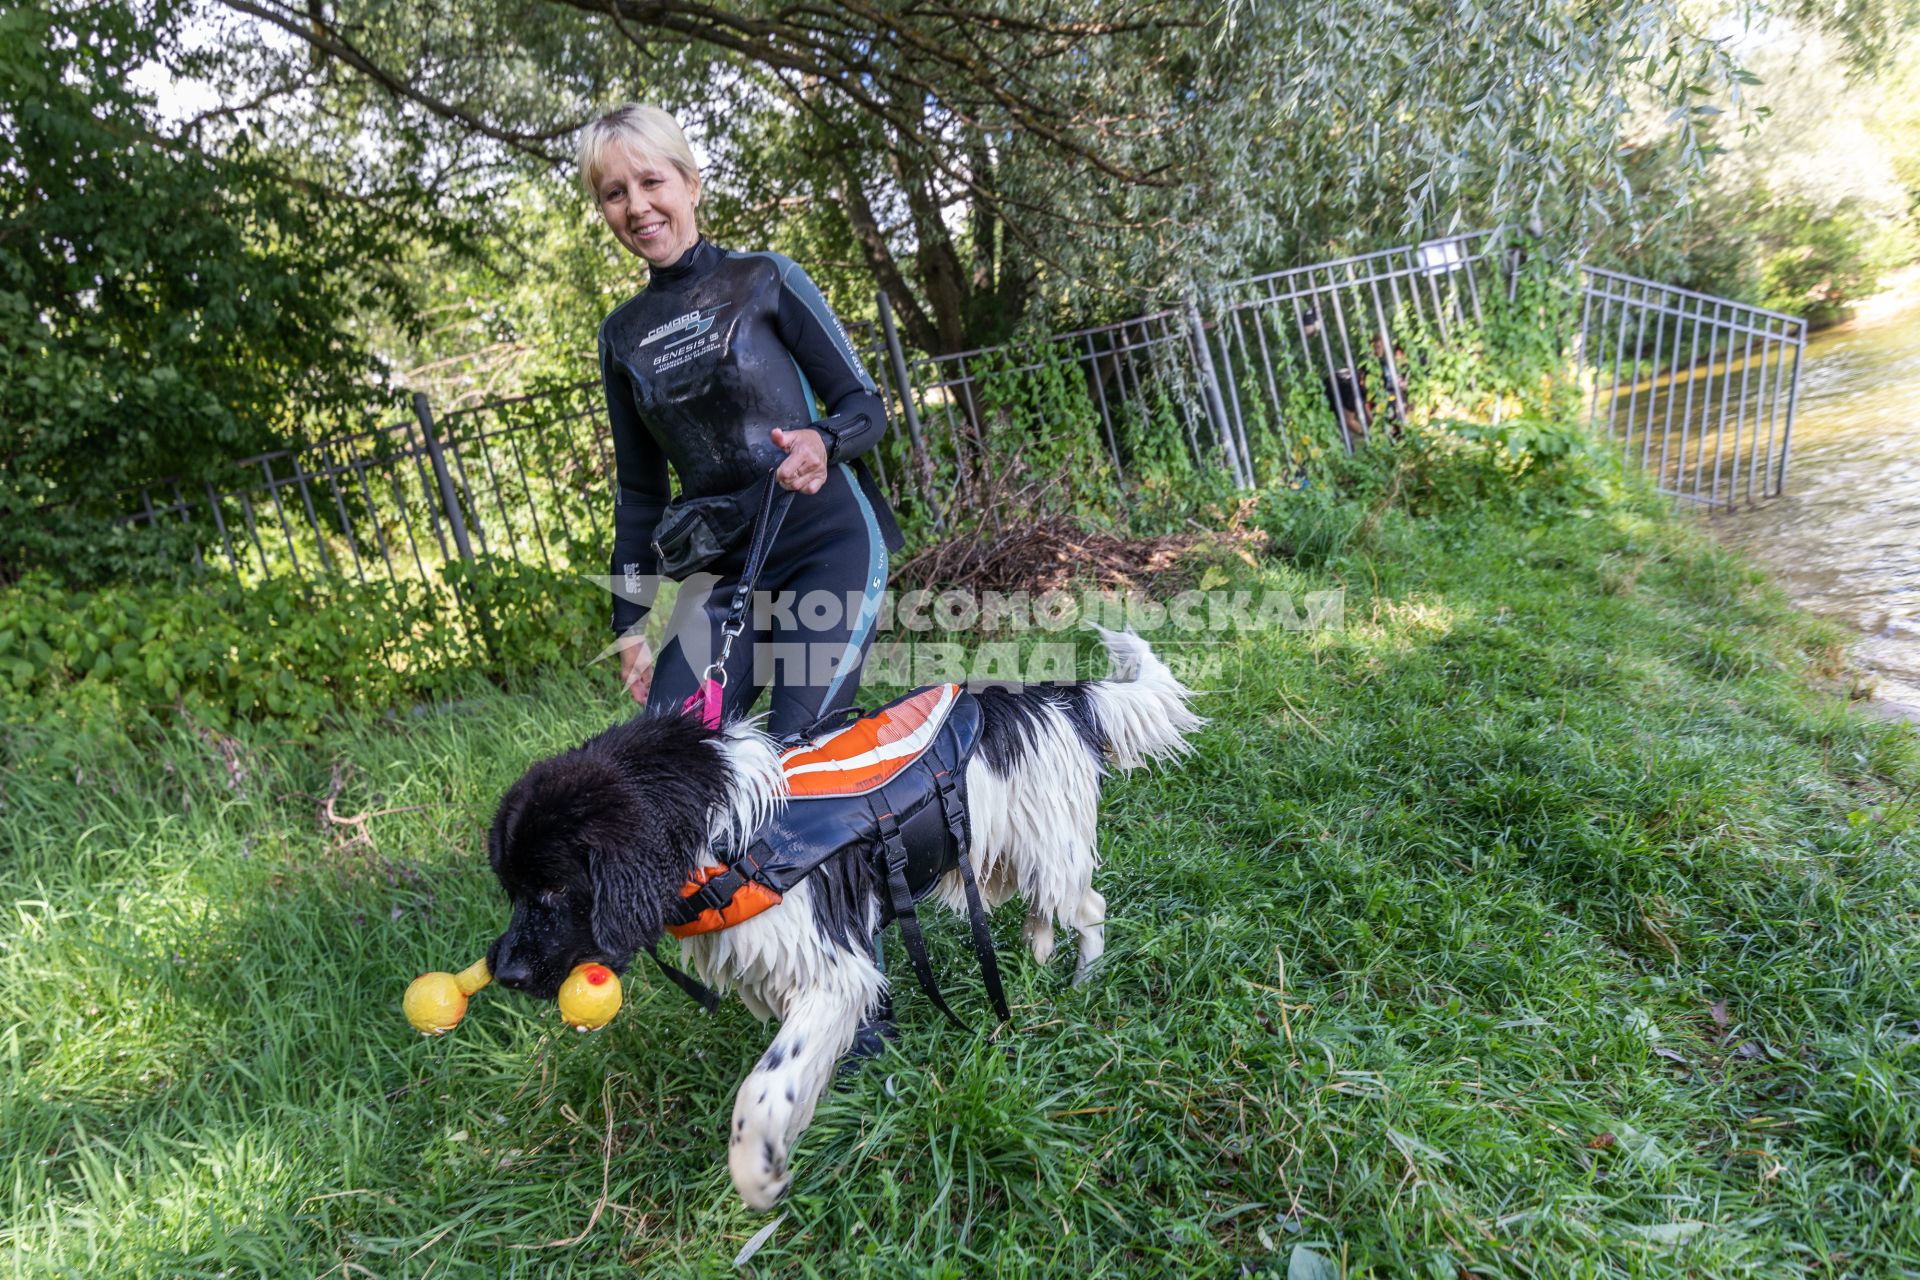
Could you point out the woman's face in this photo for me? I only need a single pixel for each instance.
(649, 205)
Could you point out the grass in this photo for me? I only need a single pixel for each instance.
(1545, 921)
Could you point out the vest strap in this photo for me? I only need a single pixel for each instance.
(956, 815)
(720, 897)
(702, 995)
(894, 850)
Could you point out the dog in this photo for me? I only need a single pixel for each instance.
(593, 846)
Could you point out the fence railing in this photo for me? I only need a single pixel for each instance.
(523, 477)
(1250, 381)
(1702, 389)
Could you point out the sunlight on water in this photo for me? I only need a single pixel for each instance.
(1845, 540)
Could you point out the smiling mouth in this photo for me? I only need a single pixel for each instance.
(648, 231)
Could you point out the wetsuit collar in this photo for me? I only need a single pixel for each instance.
(701, 258)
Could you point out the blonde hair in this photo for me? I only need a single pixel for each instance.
(647, 131)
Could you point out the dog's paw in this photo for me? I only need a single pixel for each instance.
(1038, 932)
(760, 1174)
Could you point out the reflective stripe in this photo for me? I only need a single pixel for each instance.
(869, 752)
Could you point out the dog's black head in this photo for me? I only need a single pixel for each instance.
(592, 845)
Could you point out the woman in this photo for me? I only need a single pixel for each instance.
(714, 368)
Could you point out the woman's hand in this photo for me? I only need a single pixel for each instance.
(805, 469)
(636, 667)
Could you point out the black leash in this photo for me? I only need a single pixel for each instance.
(706, 997)
(774, 502)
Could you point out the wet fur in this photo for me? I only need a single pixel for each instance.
(593, 844)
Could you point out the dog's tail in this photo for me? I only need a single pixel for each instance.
(1140, 710)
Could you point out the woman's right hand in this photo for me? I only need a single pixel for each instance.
(636, 667)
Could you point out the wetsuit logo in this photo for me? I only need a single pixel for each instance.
(687, 327)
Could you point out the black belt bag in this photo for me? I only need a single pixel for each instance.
(694, 533)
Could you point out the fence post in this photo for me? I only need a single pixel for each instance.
(456, 519)
(903, 385)
(1210, 393)
(1793, 402)
(449, 496)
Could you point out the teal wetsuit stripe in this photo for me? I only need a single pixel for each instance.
(810, 297)
(870, 597)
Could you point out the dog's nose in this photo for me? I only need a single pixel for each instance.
(513, 973)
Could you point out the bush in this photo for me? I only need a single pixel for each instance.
(110, 660)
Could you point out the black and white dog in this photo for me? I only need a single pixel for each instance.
(592, 847)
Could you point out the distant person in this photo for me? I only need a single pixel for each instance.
(1345, 391)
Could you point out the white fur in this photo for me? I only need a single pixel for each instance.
(1141, 706)
(1034, 834)
(759, 788)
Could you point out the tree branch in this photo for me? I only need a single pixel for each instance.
(327, 40)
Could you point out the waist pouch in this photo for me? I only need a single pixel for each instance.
(694, 533)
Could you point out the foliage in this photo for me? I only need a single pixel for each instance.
(165, 309)
(1815, 263)
(120, 661)
(1813, 191)
(844, 128)
(1044, 453)
(987, 164)
(1350, 127)
(1166, 483)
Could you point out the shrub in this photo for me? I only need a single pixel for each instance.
(108, 660)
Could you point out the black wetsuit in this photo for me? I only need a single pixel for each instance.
(700, 367)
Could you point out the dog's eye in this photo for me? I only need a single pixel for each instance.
(552, 897)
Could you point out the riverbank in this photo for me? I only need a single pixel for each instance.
(1546, 919)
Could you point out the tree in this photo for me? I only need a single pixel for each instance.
(988, 161)
(896, 121)
(164, 309)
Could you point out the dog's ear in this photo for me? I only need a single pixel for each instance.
(635, 879)
(632, 806)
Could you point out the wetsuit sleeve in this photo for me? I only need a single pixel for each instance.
(640, 496)
(855, 416)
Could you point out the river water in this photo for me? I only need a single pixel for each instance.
(1845, 539)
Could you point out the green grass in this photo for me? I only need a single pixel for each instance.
(1547, 921)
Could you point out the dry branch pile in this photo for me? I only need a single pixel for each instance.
(1053, 552)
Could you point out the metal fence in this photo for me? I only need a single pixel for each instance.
(1247, 383)
(1228, 372)
(524, 478)
(1350, 325)
(1701, 389)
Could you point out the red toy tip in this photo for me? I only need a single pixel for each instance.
(597, 975)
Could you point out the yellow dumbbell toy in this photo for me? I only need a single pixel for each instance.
(435, 1002)
(590, 997)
